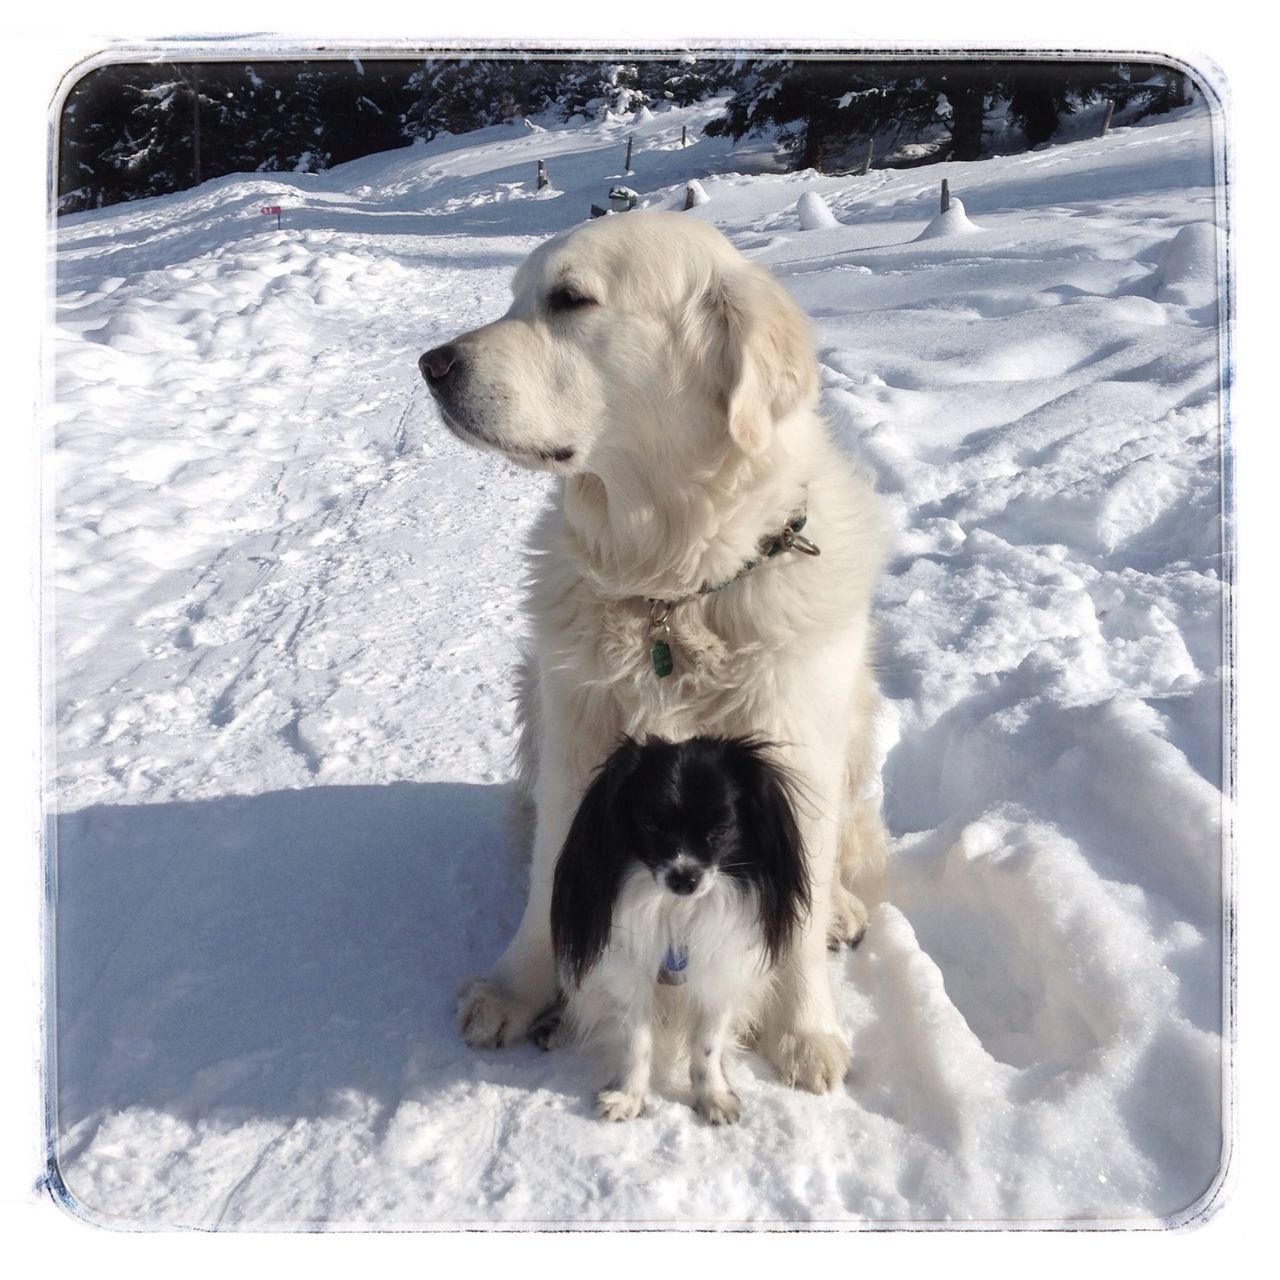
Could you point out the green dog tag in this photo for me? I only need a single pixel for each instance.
(660, 638)
(660, 656)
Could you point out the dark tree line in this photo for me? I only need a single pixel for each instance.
(139, 129)
(133, 130)
(826, 112)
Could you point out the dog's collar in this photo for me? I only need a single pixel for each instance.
(788, 538)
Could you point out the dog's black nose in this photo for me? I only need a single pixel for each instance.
(683, 880)
(438, 363)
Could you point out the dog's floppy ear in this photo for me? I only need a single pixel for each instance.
(766, 358)
(770, 832)
(589, 869)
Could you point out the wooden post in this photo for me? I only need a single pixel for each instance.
(627, 167)
(1106, 119)
(543, 180)
(871, 150)
(688, 199)
(684, 135)
(946, 197)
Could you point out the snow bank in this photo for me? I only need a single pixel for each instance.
(287, 606)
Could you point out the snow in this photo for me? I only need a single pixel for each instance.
(951, 222)
(286, 606)
(813, 212)
(696, 193)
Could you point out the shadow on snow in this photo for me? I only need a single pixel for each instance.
(269, 955)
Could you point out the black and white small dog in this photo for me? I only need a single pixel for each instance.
(684, 874)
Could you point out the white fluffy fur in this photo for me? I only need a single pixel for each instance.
(686, 392)
(727, 981)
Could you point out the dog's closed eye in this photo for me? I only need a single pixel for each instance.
(564, 299)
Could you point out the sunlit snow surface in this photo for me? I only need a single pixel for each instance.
(287, 613)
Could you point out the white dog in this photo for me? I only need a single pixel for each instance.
(671, 385)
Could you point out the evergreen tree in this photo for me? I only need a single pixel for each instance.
(688, 79)
(590, 88)
(94, 117)
(814, 107)
(456, 95)
(819, 110)
(139, 130)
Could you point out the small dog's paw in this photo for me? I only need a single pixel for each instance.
(489, 1018)
(550, 1029)
(615, 1104)
(812, 1060)
(718, 1108)
(848, 918)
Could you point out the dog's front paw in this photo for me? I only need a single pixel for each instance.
(617, 1104)
(490, 1018)
(809, 1059)
(550, 1029)
(848, 918)
(718, 1108)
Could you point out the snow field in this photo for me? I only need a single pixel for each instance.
(287, 613)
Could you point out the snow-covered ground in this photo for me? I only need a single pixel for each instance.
(287, 612)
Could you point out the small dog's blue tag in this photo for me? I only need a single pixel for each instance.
(671, 971)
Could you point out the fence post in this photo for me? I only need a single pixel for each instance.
(684, 135)
(871, 148)
(542, 174)
(946, 197)
(1106, 119)
(627, 167)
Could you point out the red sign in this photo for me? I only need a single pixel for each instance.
(270, 208)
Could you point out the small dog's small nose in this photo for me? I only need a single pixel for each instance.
(437, 363)
(683, 880)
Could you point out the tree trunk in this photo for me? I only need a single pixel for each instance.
(812, 158)
(195, 122)
(967, 103)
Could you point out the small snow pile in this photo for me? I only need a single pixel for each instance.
(695, 194)
(1188, 275)
(951, 223)
(814, 214)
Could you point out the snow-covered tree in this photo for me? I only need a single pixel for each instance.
(812, 107)
(819, 109)
(688, 79)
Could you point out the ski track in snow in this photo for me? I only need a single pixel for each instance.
(287, 612)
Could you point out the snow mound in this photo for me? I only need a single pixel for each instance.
(696, 193)
(1188, 272)
(814, 214)
(952, 223)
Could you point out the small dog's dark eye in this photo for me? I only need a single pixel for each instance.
(721, 834)
(564, 299)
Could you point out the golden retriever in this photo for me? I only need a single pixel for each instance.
(671, 386)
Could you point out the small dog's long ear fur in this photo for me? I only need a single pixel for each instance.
(589, 869)
(772, 843)
(767, 357)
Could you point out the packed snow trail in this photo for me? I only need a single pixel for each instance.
(286, 606)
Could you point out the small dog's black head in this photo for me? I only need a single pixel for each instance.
(689, 812)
